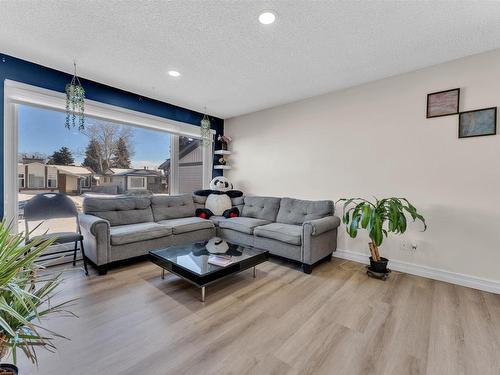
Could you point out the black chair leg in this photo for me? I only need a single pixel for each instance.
(74, 253)
(84, 258)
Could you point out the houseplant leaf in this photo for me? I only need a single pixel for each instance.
(379, 218)
(25, 296)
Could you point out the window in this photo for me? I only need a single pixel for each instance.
(36, 182)
(85, 182)
(38, 141)
(52, 179)
(137, 182)
(190, 165)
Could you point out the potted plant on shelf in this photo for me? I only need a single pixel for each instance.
(25, 298)
(378, 218)
(224, 141)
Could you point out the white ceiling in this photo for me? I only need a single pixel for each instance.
(232, 64)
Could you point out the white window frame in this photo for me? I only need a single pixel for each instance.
(144, 183)
(21, 178)
(54, 179)
(38, 178)
(85, 182)
(51, 186)
(16, 93)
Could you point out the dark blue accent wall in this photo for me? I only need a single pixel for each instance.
(37, 75)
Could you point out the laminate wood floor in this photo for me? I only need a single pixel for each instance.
(335, 321)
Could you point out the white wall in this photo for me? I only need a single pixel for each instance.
(374, 140)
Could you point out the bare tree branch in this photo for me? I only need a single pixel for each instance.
(107, 135)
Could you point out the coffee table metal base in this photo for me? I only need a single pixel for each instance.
(203, 288)
(186, 263)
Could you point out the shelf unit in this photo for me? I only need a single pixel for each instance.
(222, 152)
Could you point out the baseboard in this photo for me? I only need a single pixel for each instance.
(429, 272)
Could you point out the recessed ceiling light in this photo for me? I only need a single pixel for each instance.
(174, 73)
(267, 18)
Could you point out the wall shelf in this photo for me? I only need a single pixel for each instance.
(222, 167)
(222, 152)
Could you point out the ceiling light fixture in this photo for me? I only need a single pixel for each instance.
(267, 18)
(174, 73)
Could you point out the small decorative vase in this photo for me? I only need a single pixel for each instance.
(8, 369)
(224, 146)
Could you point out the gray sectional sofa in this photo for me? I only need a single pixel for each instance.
(116, 229)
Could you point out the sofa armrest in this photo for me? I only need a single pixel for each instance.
(96, 238)
(319, 226)
(319, 239)
(90, 223)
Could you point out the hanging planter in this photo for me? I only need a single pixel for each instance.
(206, 134)
(75, 103)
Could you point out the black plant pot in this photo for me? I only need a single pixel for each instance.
(8, 369)
(379, 266)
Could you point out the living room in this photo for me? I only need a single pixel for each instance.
(268, 187)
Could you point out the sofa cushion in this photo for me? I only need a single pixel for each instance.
(296, 211)
(238, 202)
(187, 224)
(123, 234)
(288, 233)
(120, 211)
(199, 201)
(172, 206)
(242, 224)
(217, 219)
(265, 208)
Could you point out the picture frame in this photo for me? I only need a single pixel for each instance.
(443, 103)
(477, 123)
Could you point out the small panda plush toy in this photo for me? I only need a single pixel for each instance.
(219, 199)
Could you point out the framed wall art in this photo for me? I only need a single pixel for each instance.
(443, 103)
(477, 123)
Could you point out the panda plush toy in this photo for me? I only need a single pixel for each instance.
(219, 199)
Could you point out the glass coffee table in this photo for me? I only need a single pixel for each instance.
(190, 262)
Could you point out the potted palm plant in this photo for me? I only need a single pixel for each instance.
(378, 218)
(25, 298)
